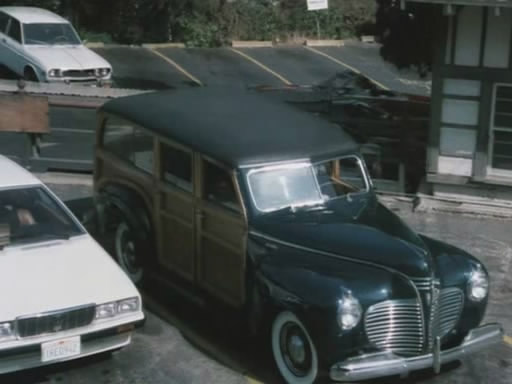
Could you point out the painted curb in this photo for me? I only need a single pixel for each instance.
(251, 44)
(163, 45)
(368, 39)
(325, 43)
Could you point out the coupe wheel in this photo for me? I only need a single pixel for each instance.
(294, 352)
(126, 252)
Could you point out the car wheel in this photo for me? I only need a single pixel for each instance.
(294, 352)
(126, 252)
(30, 75)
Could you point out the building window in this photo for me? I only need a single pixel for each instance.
(501, 129)
(218, 187)
(129, 143)
(176, 166)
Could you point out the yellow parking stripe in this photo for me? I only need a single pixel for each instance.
(508, 340)
(353, 69)
(177, 66)
(262, 66)
(250, 380)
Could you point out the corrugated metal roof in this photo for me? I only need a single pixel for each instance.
(68, 90)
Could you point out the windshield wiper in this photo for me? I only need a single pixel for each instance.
(293, 209)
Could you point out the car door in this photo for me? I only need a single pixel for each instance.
(14, 58)
(175, 202)
(222, 233)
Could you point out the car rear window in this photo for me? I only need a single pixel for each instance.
(129, 142)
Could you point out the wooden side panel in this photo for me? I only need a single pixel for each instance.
(177, 236)
(222, 263)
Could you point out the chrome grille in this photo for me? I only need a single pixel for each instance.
(52, 322)
(79, 73)
(396, 325)
(423, 284)
(451, 302)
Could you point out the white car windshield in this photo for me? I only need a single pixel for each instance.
(31, 214)
(306, 184)
(49, 34)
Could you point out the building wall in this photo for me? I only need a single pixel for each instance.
(474, 66)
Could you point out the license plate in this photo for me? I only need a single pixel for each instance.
(60, 349)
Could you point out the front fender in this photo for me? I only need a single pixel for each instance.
(311, 284)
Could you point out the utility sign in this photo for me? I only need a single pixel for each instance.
(316, 5)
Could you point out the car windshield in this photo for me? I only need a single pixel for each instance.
(49, 34)
(31, 214)
(306, 184)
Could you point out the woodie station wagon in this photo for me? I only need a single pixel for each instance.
(242, 201)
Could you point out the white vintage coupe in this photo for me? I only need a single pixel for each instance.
(63, 297)
(42, 46)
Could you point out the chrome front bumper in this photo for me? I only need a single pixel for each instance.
(388, 364)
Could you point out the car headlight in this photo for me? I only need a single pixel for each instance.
(128, 305)
(478, 284)
(349, 312)
(6, 332)
(101, 72)
(55, 73)
(116, 308)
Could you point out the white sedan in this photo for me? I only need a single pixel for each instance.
(63, 297)
(39, 45)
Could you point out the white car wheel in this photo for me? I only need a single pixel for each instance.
(294, 352)
(125, 253)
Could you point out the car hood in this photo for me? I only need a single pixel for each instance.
(362, 229)
(56, 275)
(66, 57)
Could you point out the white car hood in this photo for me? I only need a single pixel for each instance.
(58, 275)
(65, 57)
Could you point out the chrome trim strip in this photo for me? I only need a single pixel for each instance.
(388, 364)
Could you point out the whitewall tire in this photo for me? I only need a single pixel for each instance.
(294, 352)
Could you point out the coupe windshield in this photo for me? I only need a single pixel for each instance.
(50, 34)
(306, 184)
(30, 215)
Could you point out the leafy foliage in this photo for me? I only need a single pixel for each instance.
(210, 22)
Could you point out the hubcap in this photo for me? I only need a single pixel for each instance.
(126, 251)
(295, 349)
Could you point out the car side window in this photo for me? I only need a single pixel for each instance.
(218, 187)
(176, 167)
(129, 143)
(4, 19)
(15, 30)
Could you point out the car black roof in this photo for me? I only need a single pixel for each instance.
(234, 126)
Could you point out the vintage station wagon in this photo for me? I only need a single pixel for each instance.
(239, 200)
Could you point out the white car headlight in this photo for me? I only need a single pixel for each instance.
(128, 305)
(6, 332)
(478, 284)
(349, 312)
(55, 73)
(101, 72)
(116, 308)
(106, 311)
